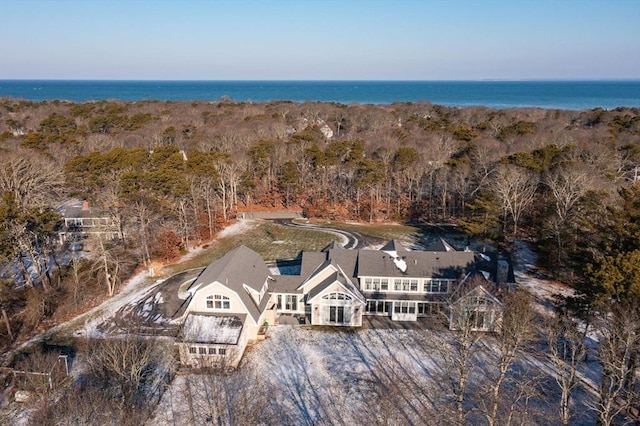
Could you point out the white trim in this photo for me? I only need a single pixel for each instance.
(356, 298)
(246, 310)
(316, 276)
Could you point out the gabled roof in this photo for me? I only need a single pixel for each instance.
(320, 287)
(76, 209)
(310, 262)
(440, 245)
(241, 266)
(394, 245)
(471, 283)
(477, 292)
(346, 259)
(337, 277)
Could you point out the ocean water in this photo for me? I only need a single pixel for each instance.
(575, 95)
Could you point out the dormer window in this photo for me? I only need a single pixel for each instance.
(218, 301)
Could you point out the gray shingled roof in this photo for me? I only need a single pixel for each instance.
(440, 245)
(287, 284)
(310, 262)
(346, 259)
(394, 245)
(239, 266)
(420, 264)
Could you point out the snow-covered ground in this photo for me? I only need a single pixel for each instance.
(325, 376)
(544, 290)
(239, 227)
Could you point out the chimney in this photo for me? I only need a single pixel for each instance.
(85, 206)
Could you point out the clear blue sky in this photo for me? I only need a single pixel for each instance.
(319, 40)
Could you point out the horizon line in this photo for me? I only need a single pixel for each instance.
(489, 80)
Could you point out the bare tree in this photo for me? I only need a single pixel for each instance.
(40, 372)
(566, 341)
(128, 368)
(224, 396)
(144, 215)
(568, 185)
(619, 341)
(391, 394)
(31, 179)
(516, 332)
(107, 263)
(516, 188)
(460, 357)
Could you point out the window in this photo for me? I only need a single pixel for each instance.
(397, 284)
(202, 351)
(336, 296)
(279, 304)
(336, 314)
(368, 283)
(212, 351)
(376, 284)
(405, 308)
(477, 320)
(405, 285)
(384, 284)
(380, 307)
(436, 286)
(262, 292)
(414, 285)
(218, 301)
(222, 351)
(291, 302)
(430, 308)
(192, 349)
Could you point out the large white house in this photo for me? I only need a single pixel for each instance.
(234, 298)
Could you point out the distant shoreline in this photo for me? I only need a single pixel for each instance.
(496, 94)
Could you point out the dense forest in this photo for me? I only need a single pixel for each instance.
(171, 174)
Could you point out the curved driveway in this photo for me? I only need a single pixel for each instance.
(351, 240)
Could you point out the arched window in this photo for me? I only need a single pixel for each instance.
(218, 301)
(336, 296)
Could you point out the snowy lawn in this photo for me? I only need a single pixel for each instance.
(321, 374)
(352, 376)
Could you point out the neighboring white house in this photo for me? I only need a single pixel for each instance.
(82, 220)
(234, 296)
